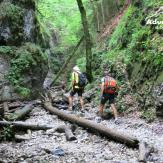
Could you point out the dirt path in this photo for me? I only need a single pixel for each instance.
(88, 147)
(113, 23)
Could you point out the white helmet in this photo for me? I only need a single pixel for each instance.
(76, 68)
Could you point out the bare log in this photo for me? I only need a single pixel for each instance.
(6, 94)
(6, 107)
(27, 136)
(19, 138)
(111, 134)
(20, 114)
(144, 152)
(69, 135)
(13, 105)
(25, 126)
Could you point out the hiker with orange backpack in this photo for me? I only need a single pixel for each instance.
(109, 90)
(78, 83)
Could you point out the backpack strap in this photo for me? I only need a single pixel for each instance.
(105, 83)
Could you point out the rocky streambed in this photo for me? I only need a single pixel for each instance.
(52, 147)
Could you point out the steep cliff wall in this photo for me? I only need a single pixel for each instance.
(23, 60)
(133, 53)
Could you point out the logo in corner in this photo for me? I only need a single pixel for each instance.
(153, 19)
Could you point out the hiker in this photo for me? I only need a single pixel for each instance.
(109, 90)
(78, 84)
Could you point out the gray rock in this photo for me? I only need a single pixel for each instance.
(58, 151)
(98, 119)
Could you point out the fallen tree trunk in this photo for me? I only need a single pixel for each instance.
(69, 135)
(111, 134)
(19, 114)
(13, 105)
(144, 152)
(20, 138)
(26, 126)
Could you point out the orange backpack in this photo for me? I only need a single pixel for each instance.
(110, 85)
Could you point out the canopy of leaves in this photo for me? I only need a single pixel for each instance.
(64, 17)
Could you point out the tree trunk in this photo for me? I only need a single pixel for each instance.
(68, 60)
(96, 14)
(87, 40)
(103, 14)
(25, 126)
(111, 134)
(12, 105)
(19, 114)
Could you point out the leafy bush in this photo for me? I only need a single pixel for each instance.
(7, 50)
(119, 35)
(12, 15)
(10, 11)
(149, 115)
(23, 60)
(6, 133)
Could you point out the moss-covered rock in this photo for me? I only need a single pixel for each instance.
(11, 20)
(26, 62)
(27, 68)
(134, 57)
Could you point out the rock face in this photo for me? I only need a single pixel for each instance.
(159, 100)
(23, 66)
(147, 83)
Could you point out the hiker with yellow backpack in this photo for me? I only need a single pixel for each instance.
(109, 89)
(78, 82)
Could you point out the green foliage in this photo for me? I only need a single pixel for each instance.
(10, 11)
(6, 133)
(13, 16)
(153, 3)
(120, 32)
(149, 115)
(133, 41)
(63, 15)
(81, 62)
(7, 50)
(22, 91)
(23, 60)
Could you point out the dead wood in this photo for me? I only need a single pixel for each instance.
(111, 134)
(20, 114)
(6, 107)
(26, 126)
(69, 135)
(13, 105)
(144, 152)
